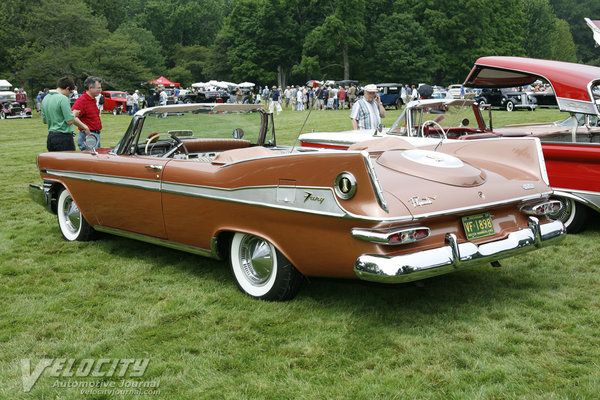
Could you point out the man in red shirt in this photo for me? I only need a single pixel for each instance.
(88, 111)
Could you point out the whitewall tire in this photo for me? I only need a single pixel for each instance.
(71, 222)
(261, 271)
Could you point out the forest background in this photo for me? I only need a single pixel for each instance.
(281, 41)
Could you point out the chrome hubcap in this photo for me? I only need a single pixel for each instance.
(256, 259)
(565, 212)
(72, 215)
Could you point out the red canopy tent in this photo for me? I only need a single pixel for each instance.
(163, 81)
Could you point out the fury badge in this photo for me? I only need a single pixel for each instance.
(309, 196)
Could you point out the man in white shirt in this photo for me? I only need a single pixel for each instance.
(367, 111)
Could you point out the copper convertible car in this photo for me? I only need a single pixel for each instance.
(210, 179)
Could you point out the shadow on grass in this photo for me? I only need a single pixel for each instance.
(470, 291)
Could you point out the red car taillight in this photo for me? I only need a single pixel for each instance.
(392, 236)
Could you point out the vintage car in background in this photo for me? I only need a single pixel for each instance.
(544, 99)
(572, 155)
(420, 118)
(205, 96)
(114, 101)
(390, 94)
(211, 180)
(506, 98)
(10, 108)
(572, 158)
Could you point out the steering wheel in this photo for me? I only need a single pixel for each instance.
(425, 132)
(152, 138)
(178, 146)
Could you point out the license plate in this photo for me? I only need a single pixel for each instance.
(478, 225)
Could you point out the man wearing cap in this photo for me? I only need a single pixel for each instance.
(367, 111)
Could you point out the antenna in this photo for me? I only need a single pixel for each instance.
(301, 128)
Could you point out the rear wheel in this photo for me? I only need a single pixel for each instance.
(573, 214)
(261, 271)
(2, 115)
(71, 222)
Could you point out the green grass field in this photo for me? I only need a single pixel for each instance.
(528, 330)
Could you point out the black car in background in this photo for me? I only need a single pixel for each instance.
(205, 96)
(507, 99)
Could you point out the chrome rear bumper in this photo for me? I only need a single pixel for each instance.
(455, 256)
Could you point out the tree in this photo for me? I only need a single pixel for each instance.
(257, 42)
(341, 33)
(184, 22)
(574, 12)
(466, 30)
(149, 52)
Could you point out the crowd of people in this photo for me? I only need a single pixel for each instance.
(84, 110)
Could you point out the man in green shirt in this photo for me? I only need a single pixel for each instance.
(57, 114)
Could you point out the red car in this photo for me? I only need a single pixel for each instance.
(114, 101)
(572, 160)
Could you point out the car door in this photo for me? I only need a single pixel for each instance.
(126, 189)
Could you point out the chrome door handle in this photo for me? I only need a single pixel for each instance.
(154, 167)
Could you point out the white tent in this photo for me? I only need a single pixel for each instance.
(223, 84)
(200, 84)
(5, 85)
(246, 84)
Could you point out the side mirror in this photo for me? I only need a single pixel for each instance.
(91, 142)
(238, 133)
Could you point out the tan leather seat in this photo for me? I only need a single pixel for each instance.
(209, 145)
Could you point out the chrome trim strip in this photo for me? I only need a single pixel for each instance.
(267, 199)
(212, 253)
(140, 183)
(576, 106)
(590, 199)
(461, 210)
(456, 256)
(375, 182)
(321, 200)
(542, 162)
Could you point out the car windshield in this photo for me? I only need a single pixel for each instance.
(122, 95)
(451, 113)
(592, 120)
(226, 121)
(204, 123)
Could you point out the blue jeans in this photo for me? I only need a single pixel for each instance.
(81, 140)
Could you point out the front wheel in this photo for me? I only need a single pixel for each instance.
(510, 105)
(71, 222)
(573, 214)
(115, 111)
(261, 271)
